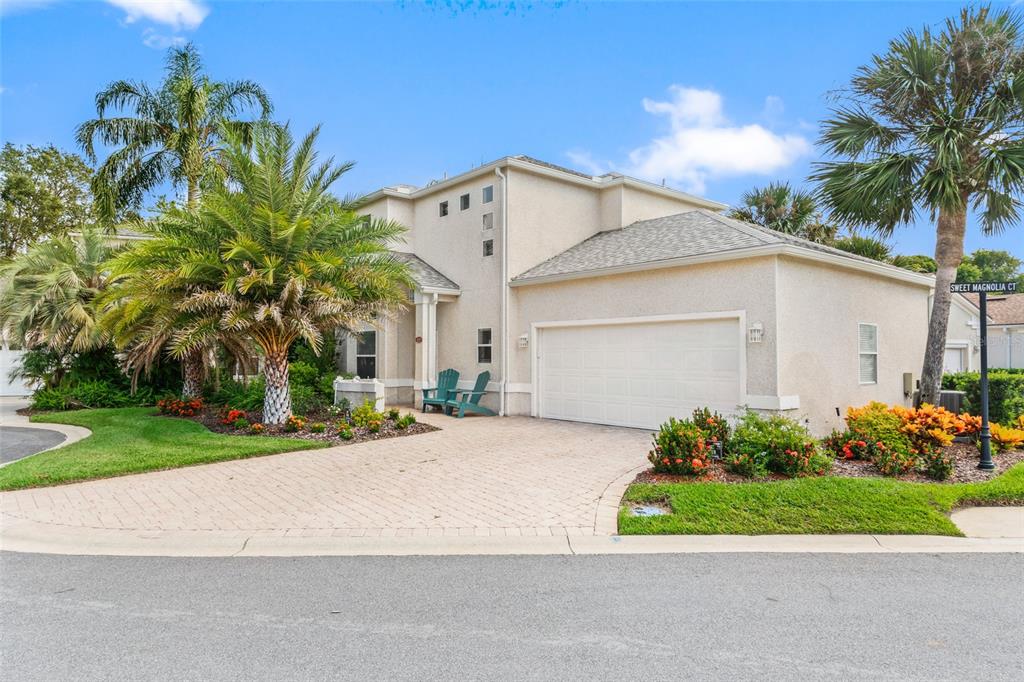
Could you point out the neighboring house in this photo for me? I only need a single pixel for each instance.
(1005, 330)
(963, 338)
(611, 300)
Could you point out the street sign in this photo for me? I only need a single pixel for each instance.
(983, 288)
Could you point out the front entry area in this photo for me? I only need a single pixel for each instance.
(638, 374)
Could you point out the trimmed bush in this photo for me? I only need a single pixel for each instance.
(317, 427)
(680, 447)
(1005, 392)
(366, 413)
(777, 444)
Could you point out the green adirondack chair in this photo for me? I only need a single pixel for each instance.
(469, 401)
(447, 385)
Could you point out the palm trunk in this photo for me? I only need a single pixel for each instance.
(192, 367)
(193, 192)
(277, 400)
(949, 251)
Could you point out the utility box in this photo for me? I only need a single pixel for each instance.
(357, 391)
(952, 400)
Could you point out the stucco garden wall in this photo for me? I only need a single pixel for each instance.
(820, 307)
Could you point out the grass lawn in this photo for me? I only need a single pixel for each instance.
(814, 505)
(130, 441)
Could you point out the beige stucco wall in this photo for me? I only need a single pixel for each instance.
(820, 307)
(746, 285)
(640, 205)
(963, 326)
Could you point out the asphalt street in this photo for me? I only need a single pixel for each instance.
(653, 617)
(17, 442)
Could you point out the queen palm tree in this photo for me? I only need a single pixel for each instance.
(173, 132)
(934, 124)
(780, 207)
(290, 260)
(48, 295)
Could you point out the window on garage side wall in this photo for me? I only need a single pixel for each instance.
(867, 338)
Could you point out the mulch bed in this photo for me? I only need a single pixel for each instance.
(965, 469)
(210, 418)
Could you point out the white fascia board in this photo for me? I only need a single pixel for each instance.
(441, 291)
(879, 269)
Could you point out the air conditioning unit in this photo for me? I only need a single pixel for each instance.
(952, 401)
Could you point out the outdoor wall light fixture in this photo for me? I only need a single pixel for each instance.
(524, 341)
(756, 333)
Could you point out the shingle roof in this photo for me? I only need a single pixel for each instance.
(424, 274)
(1008, 309)
(694, 233)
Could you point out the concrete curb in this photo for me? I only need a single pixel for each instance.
(8, 417)
(19, 535)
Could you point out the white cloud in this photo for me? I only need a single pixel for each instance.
(159, 41)
(177, 14)
(702, 143)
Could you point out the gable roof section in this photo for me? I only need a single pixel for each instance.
(426, 277)
(1008, 309)
(695, 236)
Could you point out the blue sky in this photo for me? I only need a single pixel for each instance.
(713, 97)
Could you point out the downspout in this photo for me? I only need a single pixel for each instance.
(504, 292)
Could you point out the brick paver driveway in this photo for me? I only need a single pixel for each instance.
(477, 476)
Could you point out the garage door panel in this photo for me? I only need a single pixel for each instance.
(639, 374)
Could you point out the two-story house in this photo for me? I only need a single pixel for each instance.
(612, 300)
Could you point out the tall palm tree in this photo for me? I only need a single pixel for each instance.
(173, 132)
(291, 260)
(780, 207)
(867, 247)
(934, 124)
(48, 295)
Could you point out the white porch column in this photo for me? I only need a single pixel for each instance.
(426, 346)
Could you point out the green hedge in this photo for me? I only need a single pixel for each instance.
(1005, 392)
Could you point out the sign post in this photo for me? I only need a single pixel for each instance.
(983, 289)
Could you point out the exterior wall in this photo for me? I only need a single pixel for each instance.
(747, 285)
(819, 309)
(395, 359)
(640, 205)
(962, 332)
(1005, 346)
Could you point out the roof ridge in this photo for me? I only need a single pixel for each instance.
(764, 234)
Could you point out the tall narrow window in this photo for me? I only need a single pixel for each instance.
(488, 247)
(463, 202)
(488, 194)
(868, 340)
(488, 222)
(442, 209)
(483, 345)
(366, 355)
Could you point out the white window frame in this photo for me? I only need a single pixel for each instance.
(861, 353)
(480, 345)
(367, 355)
(483, 194)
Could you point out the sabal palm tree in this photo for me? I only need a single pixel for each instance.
(934, 124)
(780, 207)
(291, 260)
(173, 132)
(867, 247)
(48, 295)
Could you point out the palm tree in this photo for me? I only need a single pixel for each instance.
(867, 247)
(48, 295)
(290, 262)
(779, 207)
(172, 133)
(934, 124)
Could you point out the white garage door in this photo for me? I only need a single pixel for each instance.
(638, 374)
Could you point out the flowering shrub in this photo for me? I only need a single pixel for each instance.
(680, 447)
(749, 464)
(180, 408)
(714, 425)
(366, 413)
(241, 423)
(317, 427)
(405, 421)
(936, 464)
(294, 423)
(374, 425)
(256, 428)
(877, 423)
(930, 425)
(231, 416)
(776, 444)
(345, 431)
(893, 462)
(1004, 438)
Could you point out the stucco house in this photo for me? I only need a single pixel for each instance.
(1005, 332)
(608, 299)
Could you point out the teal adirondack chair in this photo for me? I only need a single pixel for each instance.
(469, 401)
(447, 385)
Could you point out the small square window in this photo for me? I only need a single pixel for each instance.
(483, 345)
(488, 194)
(442, 209)
(488, 247)
(464, 202)
(488, 222)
